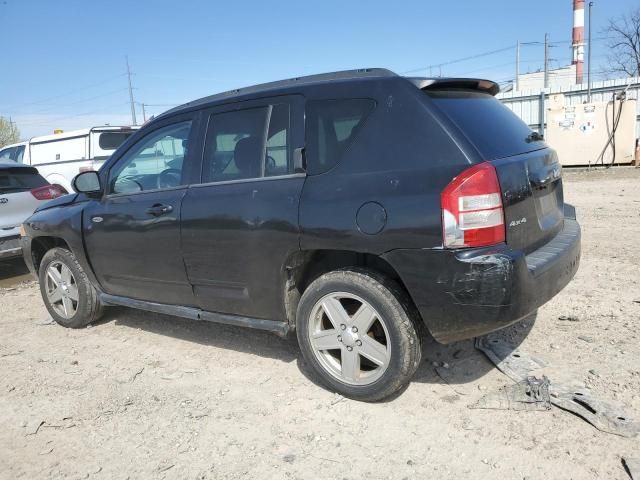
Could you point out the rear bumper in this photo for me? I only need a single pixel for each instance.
(468, 293)
(10, 247)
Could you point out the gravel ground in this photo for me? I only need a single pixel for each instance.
(142, 395)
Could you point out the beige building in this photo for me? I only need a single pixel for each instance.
(559, 78)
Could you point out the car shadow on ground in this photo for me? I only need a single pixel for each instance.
(245, 340)
(12, 272)
(458, 364)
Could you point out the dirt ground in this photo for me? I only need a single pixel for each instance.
(142, 395)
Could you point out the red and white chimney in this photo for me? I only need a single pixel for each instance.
(578, 38)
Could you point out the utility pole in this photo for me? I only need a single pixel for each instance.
(133, 107)
(589, 58)
(144, 115)
(546, 60)
(518, 66)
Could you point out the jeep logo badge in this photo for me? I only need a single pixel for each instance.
(3, 201)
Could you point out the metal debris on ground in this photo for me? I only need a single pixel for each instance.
(568, 318)
(514, 364)
(517, 365)
(605, 416)
(531, 394)
(632, 466)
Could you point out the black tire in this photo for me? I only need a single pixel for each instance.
(89, 309)
(402, 323)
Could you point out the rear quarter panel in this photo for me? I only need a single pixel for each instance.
(400, 161)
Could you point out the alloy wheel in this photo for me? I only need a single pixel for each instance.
(349, 338)
(62, 290)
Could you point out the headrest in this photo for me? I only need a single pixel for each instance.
(247, 156)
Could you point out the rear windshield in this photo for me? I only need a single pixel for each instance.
(14, 180)
(112, 140)
(493, 129)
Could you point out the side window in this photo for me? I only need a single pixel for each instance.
(236, 147)
(19, 154)
(6, 154)
(329, 127)
(155, 162)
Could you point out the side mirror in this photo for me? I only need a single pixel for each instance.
(87, 182)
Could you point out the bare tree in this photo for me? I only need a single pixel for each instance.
(9, 133)
(625, 43)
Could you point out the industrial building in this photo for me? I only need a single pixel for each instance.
(597, 123)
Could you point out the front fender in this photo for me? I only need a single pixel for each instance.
(52, 225)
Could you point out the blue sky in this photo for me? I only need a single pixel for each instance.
(65, 64)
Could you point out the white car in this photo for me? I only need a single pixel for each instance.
(61, 156)
(22, 190)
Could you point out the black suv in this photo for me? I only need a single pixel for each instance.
(355, 208)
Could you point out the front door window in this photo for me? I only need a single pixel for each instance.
(154, 163)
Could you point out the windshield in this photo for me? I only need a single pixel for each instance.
(493, 129)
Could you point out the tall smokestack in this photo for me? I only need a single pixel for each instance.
(578, 38)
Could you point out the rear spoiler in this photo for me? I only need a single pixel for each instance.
(487, 86)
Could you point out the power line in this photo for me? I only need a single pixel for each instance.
(459, 60)
(53, 120)
(81, 89)
(48, 109)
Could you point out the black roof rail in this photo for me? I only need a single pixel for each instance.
(279, 84)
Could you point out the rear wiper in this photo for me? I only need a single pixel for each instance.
(534, 137)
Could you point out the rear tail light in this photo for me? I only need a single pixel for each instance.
(472, 213)
(49, 192)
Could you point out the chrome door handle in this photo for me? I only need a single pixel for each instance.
(159, 209)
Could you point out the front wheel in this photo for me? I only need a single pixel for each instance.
(356, 330)
(70, 298)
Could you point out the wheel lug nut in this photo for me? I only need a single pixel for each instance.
(339, 338)
(349, 348)
(343, 326)
(354, 329)
(359, 343)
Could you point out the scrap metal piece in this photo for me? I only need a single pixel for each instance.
(517, 365)
(605, 416)
(510, 361)
(531, 394)
(632, 466)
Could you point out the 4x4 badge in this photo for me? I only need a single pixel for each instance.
(515, 223)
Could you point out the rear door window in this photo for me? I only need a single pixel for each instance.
(236, 147)
(493, 129)
(14, 180)
(330, 126)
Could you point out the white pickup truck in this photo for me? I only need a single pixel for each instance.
(61, 156)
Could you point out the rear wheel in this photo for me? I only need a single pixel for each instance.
(356, 330)
(67, 293)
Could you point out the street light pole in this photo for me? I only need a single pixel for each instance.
(518, 66)
(546, 60)
(589, 58)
